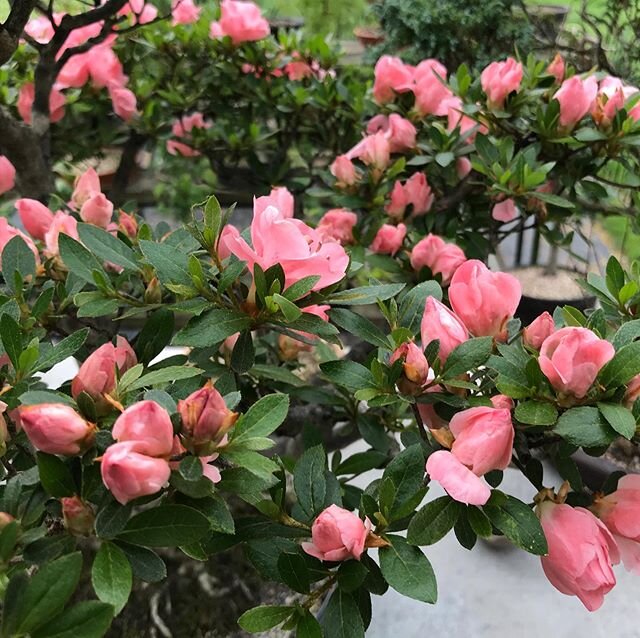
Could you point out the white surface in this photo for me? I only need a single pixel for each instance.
(499, 591)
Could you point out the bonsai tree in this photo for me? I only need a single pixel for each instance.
(139, 454)
(476, 159)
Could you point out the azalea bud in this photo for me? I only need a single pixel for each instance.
(457, 479)
(123, 101)
(483, 438)
(78, 516)
(576, 97)
(56, 428)
(581, 553)
(205, 418)
(633, 392)
(128, 474)
(392, 76)
(338, 224)
(7, 175)
(389, 239)
(86, 186)
(438, 322)
(414, 365)
(147, 424)
(620, 512)
(97, 210)
(5, 519)
(505, 211)
(557, 68)
(502, 401)
(439, 256)
(571, 359)
(289, 349)
(337, 534)
(153, 292)
(97, 375)
(499, 79)
(344, 171)
(127, 224)
(484, 300)
(538, 330)
(35, 217)
(4, 430)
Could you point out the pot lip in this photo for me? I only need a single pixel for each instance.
(549, 9)
(585, 298)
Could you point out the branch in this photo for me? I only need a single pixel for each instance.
(12, 28)
(21, 145)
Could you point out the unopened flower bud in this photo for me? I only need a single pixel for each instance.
(78, 516)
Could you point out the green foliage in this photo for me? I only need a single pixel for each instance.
(453, 31)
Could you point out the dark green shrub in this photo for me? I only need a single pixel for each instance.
(453, 31)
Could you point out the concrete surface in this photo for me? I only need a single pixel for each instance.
(499, 591)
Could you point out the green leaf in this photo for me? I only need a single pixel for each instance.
(350, 374)
(301, 288)
(517, 522)
(308, 626)
(619, 418)
(191, 468)
(213, 217)
(292, 568)
(255, 462)
(361, 462)
(279, 374)
(171, 265)
(111, 576)
(211, 328)
(554, 200)
(17, 258)
(413, 303)
(112, 519)
(406, 471)
(309, 481)
(11, 335)
(264, 618)
(584, 427)
(87, 619)
(627, 333)
(467, 356)
(359, 326)
(165, 526)
(614, 276)
(155, 335)
(35, 397)
(164, 375)
(55, 476)
(434, 521)
(78, 259)
(243, 355)
(107, 247)
(364, 295)
(262, 418)
(408, 570)
(145, 564)
(66, 348)
(290, 311)
(479, 522)
(45, 595)
(622, 368)
(341, 618)
(351, 575)
(536, 413)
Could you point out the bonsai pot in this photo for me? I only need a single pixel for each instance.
(285, 24)
(549, 19)
(542, 292)
(368, 36)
